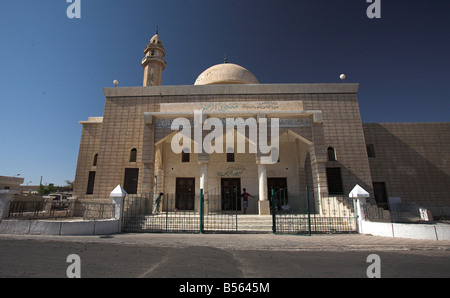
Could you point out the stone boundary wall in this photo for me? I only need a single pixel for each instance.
(60, 227)
(412, 231)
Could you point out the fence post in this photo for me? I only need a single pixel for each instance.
(307, 210)
(236, 205)
(167, 210)
(274, 223)
(48, 202)
(6, 197)
(71, 206)
(359, 205)
(201, 210)
(118, 196)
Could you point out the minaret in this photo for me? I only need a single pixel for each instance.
(153, 61)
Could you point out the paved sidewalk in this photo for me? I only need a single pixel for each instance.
(266, 242)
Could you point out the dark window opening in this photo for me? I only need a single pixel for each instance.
(133, 154)
(334, 180)
(95, 160)
(91, 181)
(331, 154)
(379, 189)
(230, 157)
(130, 182)
(370, 151)
(185, 156)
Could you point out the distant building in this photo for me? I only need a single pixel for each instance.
(10, 184)
(323, 144)
(29, 189)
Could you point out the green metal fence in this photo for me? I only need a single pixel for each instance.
(302, 212)
(159, 214)
(220, 211)
(292, 212)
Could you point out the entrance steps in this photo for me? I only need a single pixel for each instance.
(249, 223)
(246, 223)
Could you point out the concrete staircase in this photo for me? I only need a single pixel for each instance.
(246, 223)
(254, 223)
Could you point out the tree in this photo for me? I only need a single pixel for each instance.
(41, 189)
(45, 190)
(69, 185)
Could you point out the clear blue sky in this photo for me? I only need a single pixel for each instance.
(53, 69)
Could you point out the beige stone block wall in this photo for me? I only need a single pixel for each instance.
(412, 159)
(123, 128)
(342, 129)
(89, 146)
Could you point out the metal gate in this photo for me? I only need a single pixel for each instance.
(219, 211)
(161, 214)
(158, 214)
(296, 212)
(302, 213)
(290, 212)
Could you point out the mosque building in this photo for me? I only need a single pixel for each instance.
(322, 144)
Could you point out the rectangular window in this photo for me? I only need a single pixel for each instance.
(91, 181)
(133, 154)
(334, 180)
(370, 151)
(379, 189)
(130, 182)
(230, 157)
(185, 157)
(331, 154)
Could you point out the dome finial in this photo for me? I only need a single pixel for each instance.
(225, 60)
(156, 29)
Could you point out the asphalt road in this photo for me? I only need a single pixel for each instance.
(211, 256)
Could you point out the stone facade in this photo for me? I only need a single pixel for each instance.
(329, 118)
(411, 159)
(323, 144)
(10, 183)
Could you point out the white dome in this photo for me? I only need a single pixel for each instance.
(226, 73)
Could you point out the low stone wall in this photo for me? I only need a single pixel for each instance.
(426, 231)
(60, 227)
(412, 231)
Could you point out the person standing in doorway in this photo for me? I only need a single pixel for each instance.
(156, 203)
(245, 196)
